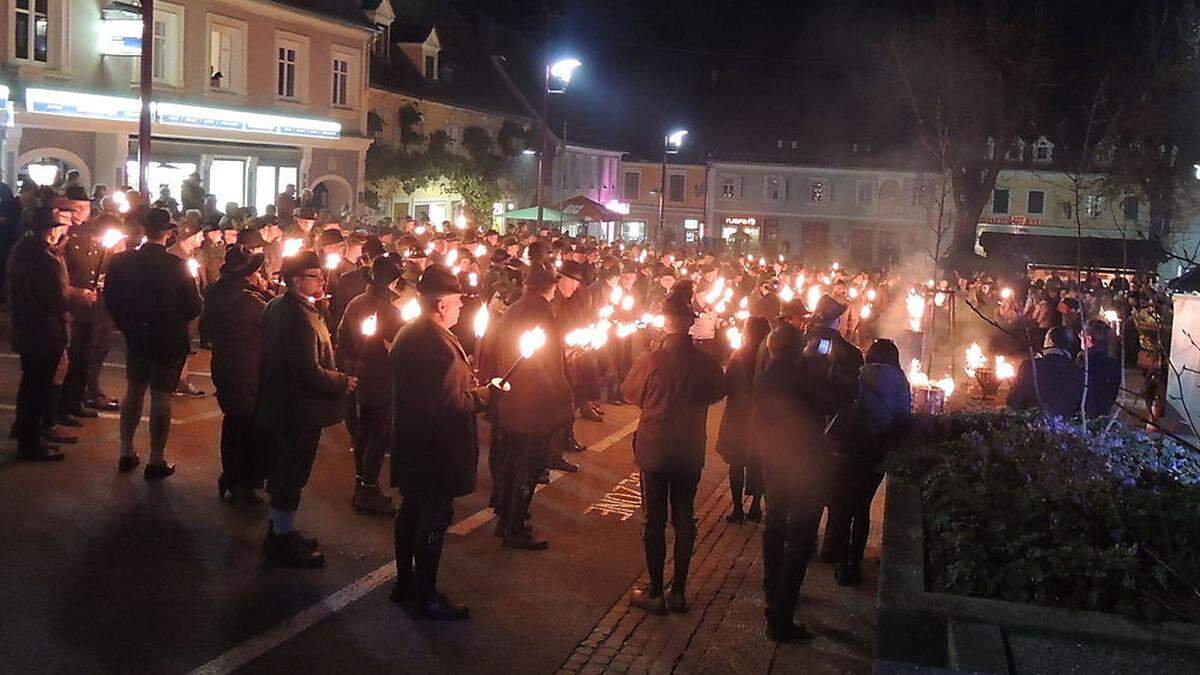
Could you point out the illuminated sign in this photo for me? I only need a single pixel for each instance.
(6, 116)
(748, 222)
(1010, 220)
(121, 36)
(617, 206)
(96, 106)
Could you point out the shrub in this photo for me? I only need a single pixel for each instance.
(1025, 509)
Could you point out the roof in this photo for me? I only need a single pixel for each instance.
(346, 11)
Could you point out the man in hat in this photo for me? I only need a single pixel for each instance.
(39, 297)
(233, 320)
(538, 407)
(673, 385)
(187, 240)
(435, 441)
(361, 252)
(152, 297)
(298, 396)
(573, 308)
(368, 327)
(83, 255)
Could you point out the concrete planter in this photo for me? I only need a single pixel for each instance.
(921, 631)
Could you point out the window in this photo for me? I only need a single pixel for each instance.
(382, 45)
(776, 188)
(1016, 151)
(168, 46)
(344, 83)
(816, 191)
(341, 81)
(227, 180)
(633, 184)
(675, 187)
(866, 193)
(889, 192)
(1043, 150)
(1130, 208)
(226, 54)
(1037, 202)
(999, 201)
(633, 230)
(291, 66)
(728, 187)
(430, 67)
(1095, 206)
(269, 181)
(31, 30)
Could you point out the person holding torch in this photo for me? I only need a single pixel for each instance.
(435, 440)
(538, 407)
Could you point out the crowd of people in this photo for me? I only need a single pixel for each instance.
(409, 332)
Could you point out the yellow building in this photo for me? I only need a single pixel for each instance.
(683, 210)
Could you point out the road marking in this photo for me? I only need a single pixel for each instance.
(107, 364)
(117, 416)
(623, 500)
(264, 642)
(480, 518)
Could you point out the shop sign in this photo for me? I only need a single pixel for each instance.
(1010, 220)
(746, 222)
(121, 36)
(96, 106)
(617, 206)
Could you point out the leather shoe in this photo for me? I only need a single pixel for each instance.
(560, 464)
(653, 604)
(53, 435)
(68, 420)
(588, 413)
(128, 463)
(786, 631)
(41, 453)
(369, 499)
(525, 541)
(102, 402)
(544, 477)
(576, 446)
(403, 591)
(290, 550)
(441, 608)
(157, 471)
(676, 602)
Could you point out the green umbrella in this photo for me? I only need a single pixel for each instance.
(549, 215)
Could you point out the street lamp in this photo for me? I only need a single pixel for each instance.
(558, 76)
(671, 145)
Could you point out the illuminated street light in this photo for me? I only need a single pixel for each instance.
(671, 144)
(558, 75)
(675, 140)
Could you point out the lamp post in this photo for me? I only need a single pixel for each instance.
(671, 145)
(558, 76)
(147, 86)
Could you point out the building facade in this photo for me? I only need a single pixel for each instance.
(251, 94)
(864, 217)
(684, 218)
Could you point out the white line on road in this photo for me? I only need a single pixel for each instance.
(264, 642)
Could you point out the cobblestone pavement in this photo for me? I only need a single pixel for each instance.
(724, 631)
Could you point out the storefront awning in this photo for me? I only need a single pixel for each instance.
(549, 215)
(1091, 252)
(589, 210)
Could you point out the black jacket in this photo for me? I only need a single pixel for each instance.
(233, 321)
(367, 357)
(1059, 381)
(38, 296)
(152, 297)
(299, 386)
(1103, 381)
(435, 438)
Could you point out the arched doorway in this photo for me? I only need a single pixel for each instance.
(49, 166)
(331, 192)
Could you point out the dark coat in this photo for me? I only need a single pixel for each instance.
(83, 258)
(735, 439)
(300, 387)
(38, 297)
(1059, 381)
(789, 430)
(673, 385)
(152, 297)
(349, 286)
(833, 376)
(367, 357)
(540, 400)
(1103, 381)
(435, 439)
(233, 322)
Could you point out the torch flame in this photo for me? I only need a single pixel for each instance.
(975, 359)
(1006, 293)
(369, 325)
(812, 298)
(786, 294)
(451, 257)
(193, 268)
(291, 247)
(473, 279)
(614, 297)
(480, 251)
(461, 222)
(865, 312)
(531, 341)
(627, 303)
(332, 261)
(735, 337)
(871, 295)
(915, 305)
(411, 310)
(1004, 369)
(111, 237)
(481, 321)
(606, 311)
(716, 291)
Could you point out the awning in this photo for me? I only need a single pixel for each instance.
(549, 215)
(1091, 252)
(589, 211)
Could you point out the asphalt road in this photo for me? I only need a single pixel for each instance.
(105, 572)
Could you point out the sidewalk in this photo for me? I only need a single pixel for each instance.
(723, 632)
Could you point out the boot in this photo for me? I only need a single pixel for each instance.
(369, 499)
(525, 541)
(560, 464)
(786, 630)
(651, 604)
(441, 608)
(40, 453)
